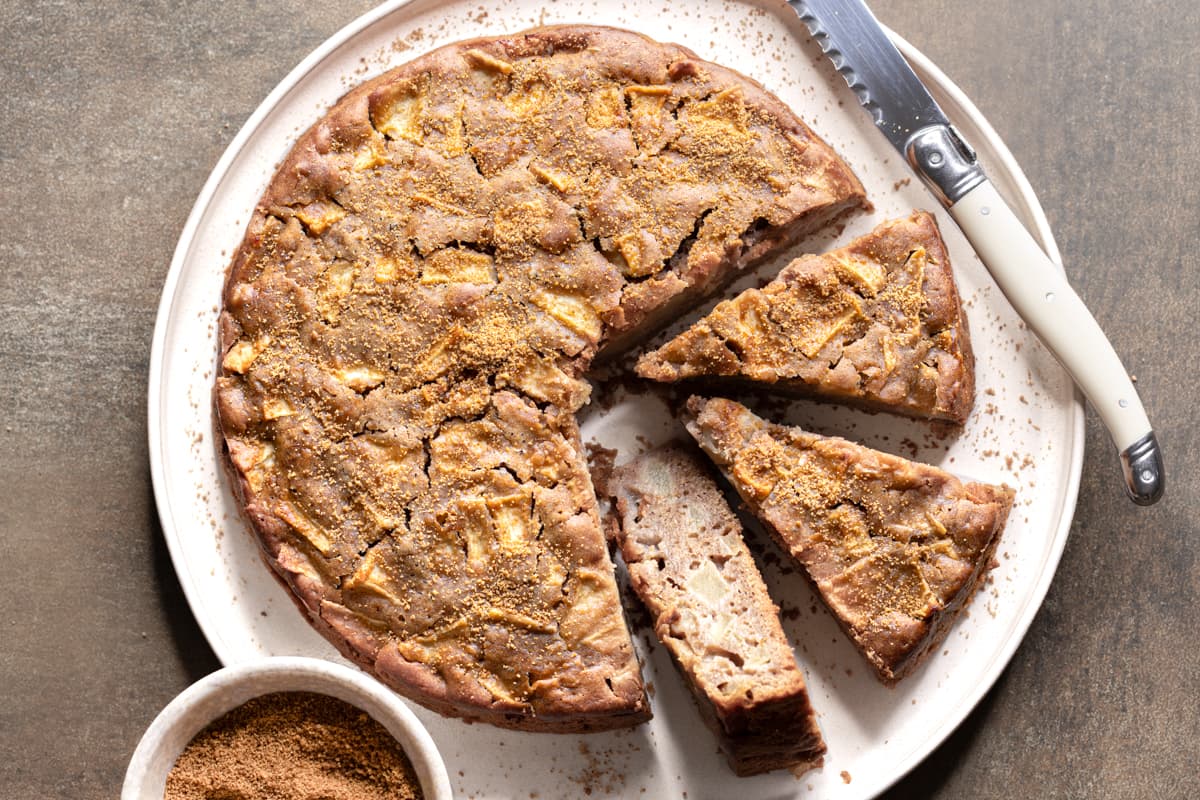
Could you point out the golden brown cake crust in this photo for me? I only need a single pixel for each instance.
(687, 562)
(407, 321)
(877, 323)
(895, 548)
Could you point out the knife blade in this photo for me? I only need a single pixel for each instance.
(906, 113)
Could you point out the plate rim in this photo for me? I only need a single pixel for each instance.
(1003, 161)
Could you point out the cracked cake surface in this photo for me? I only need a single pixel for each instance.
(687, 562)
(895, 548)
(407, 323)
(877, 323)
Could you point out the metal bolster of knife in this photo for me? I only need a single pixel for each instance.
(1143, 466)
(944, 161)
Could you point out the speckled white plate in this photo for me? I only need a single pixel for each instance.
(1027, 428)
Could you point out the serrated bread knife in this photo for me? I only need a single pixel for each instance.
(912, 121)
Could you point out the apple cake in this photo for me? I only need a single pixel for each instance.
(877, 323)
(407, 323)
(895, 548)
(688, 564)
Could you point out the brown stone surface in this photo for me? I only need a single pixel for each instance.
(113, 115)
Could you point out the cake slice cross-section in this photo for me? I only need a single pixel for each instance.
(688, 563)
(895, 548)
(877, 324)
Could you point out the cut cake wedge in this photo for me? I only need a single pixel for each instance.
(687, 562)
(877, 324)
(895, 548)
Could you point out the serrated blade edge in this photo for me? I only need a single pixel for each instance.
(863, 54)
(837, 58)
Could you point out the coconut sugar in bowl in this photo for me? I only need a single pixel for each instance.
(337, 732)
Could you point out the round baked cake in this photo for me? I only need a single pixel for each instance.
(407, 324)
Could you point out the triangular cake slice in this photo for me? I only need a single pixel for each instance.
(895, 548)
(688, 563)
(877, 323)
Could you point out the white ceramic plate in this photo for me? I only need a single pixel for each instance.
(1027, 429)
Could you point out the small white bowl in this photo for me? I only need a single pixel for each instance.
(219, 693)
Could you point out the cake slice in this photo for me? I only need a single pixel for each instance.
(895, 548)
(687, 562)
(877, 324)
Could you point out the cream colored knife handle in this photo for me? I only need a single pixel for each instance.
(1039, 292)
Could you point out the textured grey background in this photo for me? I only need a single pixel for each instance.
(112, 115)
